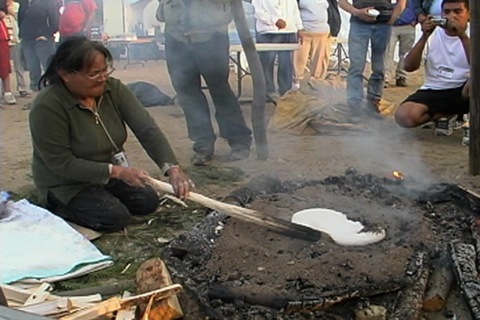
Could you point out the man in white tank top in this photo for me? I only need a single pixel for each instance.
(446, 48)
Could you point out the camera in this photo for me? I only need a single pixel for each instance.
(439, 21)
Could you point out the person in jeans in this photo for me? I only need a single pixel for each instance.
(37, 23)
(403, 33)
(447, 69)
(278, 21)
(196, 47)
(316, 41)
(374, 29)
(78, 124)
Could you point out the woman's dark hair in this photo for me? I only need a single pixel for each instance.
(73, 54)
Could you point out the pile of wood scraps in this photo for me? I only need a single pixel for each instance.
(160, 303)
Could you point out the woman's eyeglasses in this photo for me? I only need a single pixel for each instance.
(95, 76)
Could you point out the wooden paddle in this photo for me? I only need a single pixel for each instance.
(273, 223)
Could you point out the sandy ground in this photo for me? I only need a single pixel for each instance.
(386, 147)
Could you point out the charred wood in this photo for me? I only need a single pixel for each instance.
(439, 284)
(463, 258)
(410, 300)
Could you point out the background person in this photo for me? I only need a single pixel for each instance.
(196, 47)
(78, 129)
(403, 33)
(447, 70)
(278, 21)
(37, 23)
(316, 41)
(76, 18)
(16, 51)
(5, 67)
(366, 29)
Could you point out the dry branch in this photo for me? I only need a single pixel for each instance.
(248, 215)
(463, 258)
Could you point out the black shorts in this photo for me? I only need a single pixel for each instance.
(448, 101)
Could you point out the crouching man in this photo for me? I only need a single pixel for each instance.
(447, 68)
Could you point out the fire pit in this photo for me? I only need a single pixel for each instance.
(237, 270)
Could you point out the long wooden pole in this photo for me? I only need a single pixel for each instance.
(270, 222)
(258, 79)
(474, 148)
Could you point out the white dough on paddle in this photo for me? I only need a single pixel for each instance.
(336, 224)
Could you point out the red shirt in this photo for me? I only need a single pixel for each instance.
(75, 15)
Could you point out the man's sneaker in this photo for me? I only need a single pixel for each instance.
(444, 126)
(9, 98)
(466, 134)
(24, 94)
(201, 159)
(428, 125)
(239, 153)
(401, 82)
(372, 109)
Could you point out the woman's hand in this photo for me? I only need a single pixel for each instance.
(180, 182)
(131, 176)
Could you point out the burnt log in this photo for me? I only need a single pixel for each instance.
(295, 304)
(439, 284)
(475, 230)
(463, 258)
(410, 300)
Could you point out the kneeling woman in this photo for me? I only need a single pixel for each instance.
(78, 128)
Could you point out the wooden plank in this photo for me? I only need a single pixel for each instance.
(275, 224)
(159, 294)
(103, 308)
(474, 145)
(40, 294)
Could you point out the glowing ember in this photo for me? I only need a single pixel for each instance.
(398, 175)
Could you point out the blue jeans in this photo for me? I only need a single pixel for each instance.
(189, 62)
(37, 54)
(285, 61)
(361, 34)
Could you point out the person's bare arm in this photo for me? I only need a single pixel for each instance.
(397, 11)
(413, 59)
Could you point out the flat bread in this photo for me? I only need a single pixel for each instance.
(343, 231)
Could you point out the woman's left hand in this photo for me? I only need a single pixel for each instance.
(180, 182)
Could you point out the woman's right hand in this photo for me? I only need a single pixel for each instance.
(131, 176)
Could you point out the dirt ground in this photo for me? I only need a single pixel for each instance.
(386, 147)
